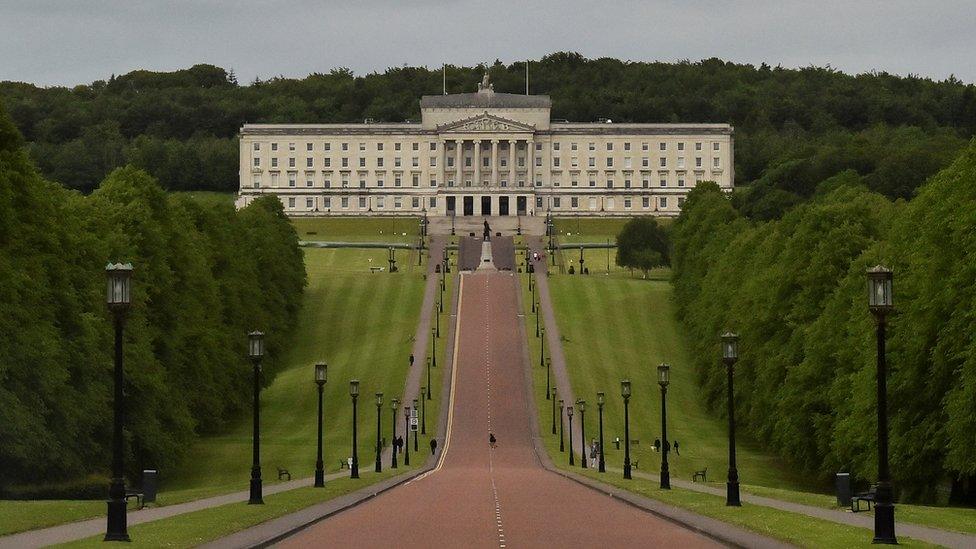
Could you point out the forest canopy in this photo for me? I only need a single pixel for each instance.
(204, 277)
(794, 127)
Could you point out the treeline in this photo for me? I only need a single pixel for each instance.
(795, 291)
(793, 127)
(204, 276)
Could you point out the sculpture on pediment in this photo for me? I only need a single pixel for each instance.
(484, 86)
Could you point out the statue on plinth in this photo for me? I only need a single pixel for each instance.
(487, 231)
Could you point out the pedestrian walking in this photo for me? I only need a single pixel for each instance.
(593, 453)
(492, 441)
(657, 445)
(676, 448)
(411, 359)
(433, 446)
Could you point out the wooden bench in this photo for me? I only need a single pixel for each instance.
(376, 269)
(702, 473)
(635, 464)
(867, 497)
(283, 473)
(133, 494)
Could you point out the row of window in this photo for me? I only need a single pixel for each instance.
(628, 162)
(398, 181)
(398, 201)
(556, 145)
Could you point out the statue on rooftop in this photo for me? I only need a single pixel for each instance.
(484, 86)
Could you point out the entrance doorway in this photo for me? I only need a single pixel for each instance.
(502, 205)
(520, 205)
(485, 205)
(451, 205)
(468, 205)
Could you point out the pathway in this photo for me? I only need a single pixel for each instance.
(482, 497)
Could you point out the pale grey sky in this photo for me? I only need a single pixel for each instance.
(68, 42)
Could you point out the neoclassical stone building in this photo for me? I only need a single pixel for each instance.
(482, 153)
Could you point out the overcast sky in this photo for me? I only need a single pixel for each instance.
(77, 41)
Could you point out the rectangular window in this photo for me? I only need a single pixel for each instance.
(416, 180)
(362, 202)
(555, 182)
(645, 183)
(362, 146)
(538, 146)
(555, 146)
(592, 182)
(575, 182)
(309, 203)
(291, 179)
(433, 145)
(345, 203)
(715, 162)
(432, 202)
(450, 161)
(257, 146)
(627, 146)
(397, 181)
(379, 146)
(681, 182)
(274, 146)
(309, 181)
(433, 182)
(328, 146)
(681, 162)
(257, 162)
(574, 202)
(328, 183)
(609, 146)
(433, 162)
(379, 182)
(467, 161)
(308, 146)
(415, 162)
(591, 146)
(592, 161)
(362, 183)
(555, 202)
(645, 147)
(698, 162)
(485, 162)
(538, 202)
(415, 202)
(345, 162)
(257, 181)
(327, 202)
(698, 146)
(627, 163)
(291, 202)
(345, 146)
(664, 182)
(327, 162)
(715, 146)
(662, 202)
(504, 183)
(627, 203)
(362, 162)
(274, 179)
(397, 202)
(538, 161)
(609, 161)
(308, 162)
(609, 183)
(681, 146)
(291, 162)
(396, 146)
(645, 202)
(379, 162)
(291, 146)
(664, 162)
(664, 146)
(645, 162)
(626, 183)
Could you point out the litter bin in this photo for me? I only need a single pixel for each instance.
(149, 486)
(843, 484)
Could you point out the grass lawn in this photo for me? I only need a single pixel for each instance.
(358, 229)
(789, 527)
(363, 326)
(19, 516)
(196, 528)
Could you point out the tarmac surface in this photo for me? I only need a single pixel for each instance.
(479, 496)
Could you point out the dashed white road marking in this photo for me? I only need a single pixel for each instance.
(491, 451)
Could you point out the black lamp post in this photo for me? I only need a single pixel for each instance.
(119, 299)
(430, 388)
(256, 351)
(562, 447)
(569, 414)
(880, 304)
(663, 378)
(321, 370)
(423, 410)
(532, 289)
(354, 393)
(581, 404)
(730, 354)
(406, 435)
(599, 404)
(552, 393)
(395, 405)
(415, 435)
(625, 392)
(537, 310)
(542, 348)
(436, 332)
(548, 367)
(379, 431)
(581, 260)
(433, 350)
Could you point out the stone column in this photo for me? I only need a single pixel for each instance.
(511, 161)
(458, 148)
(530, 162)
(494, 163)
(477, 163)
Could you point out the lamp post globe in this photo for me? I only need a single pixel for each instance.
(256, 353)
(321, 374)
(394, 406)
(663, 379)
(569, 415)
(118, 298)
(354, 394)
(600, 401)
(378, 467)
(730, 354)
(880, 303)
(625, 393)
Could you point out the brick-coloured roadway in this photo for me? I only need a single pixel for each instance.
(483, 497)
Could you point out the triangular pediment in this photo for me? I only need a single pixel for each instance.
(485, 123)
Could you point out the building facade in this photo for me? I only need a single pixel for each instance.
(483, 153)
